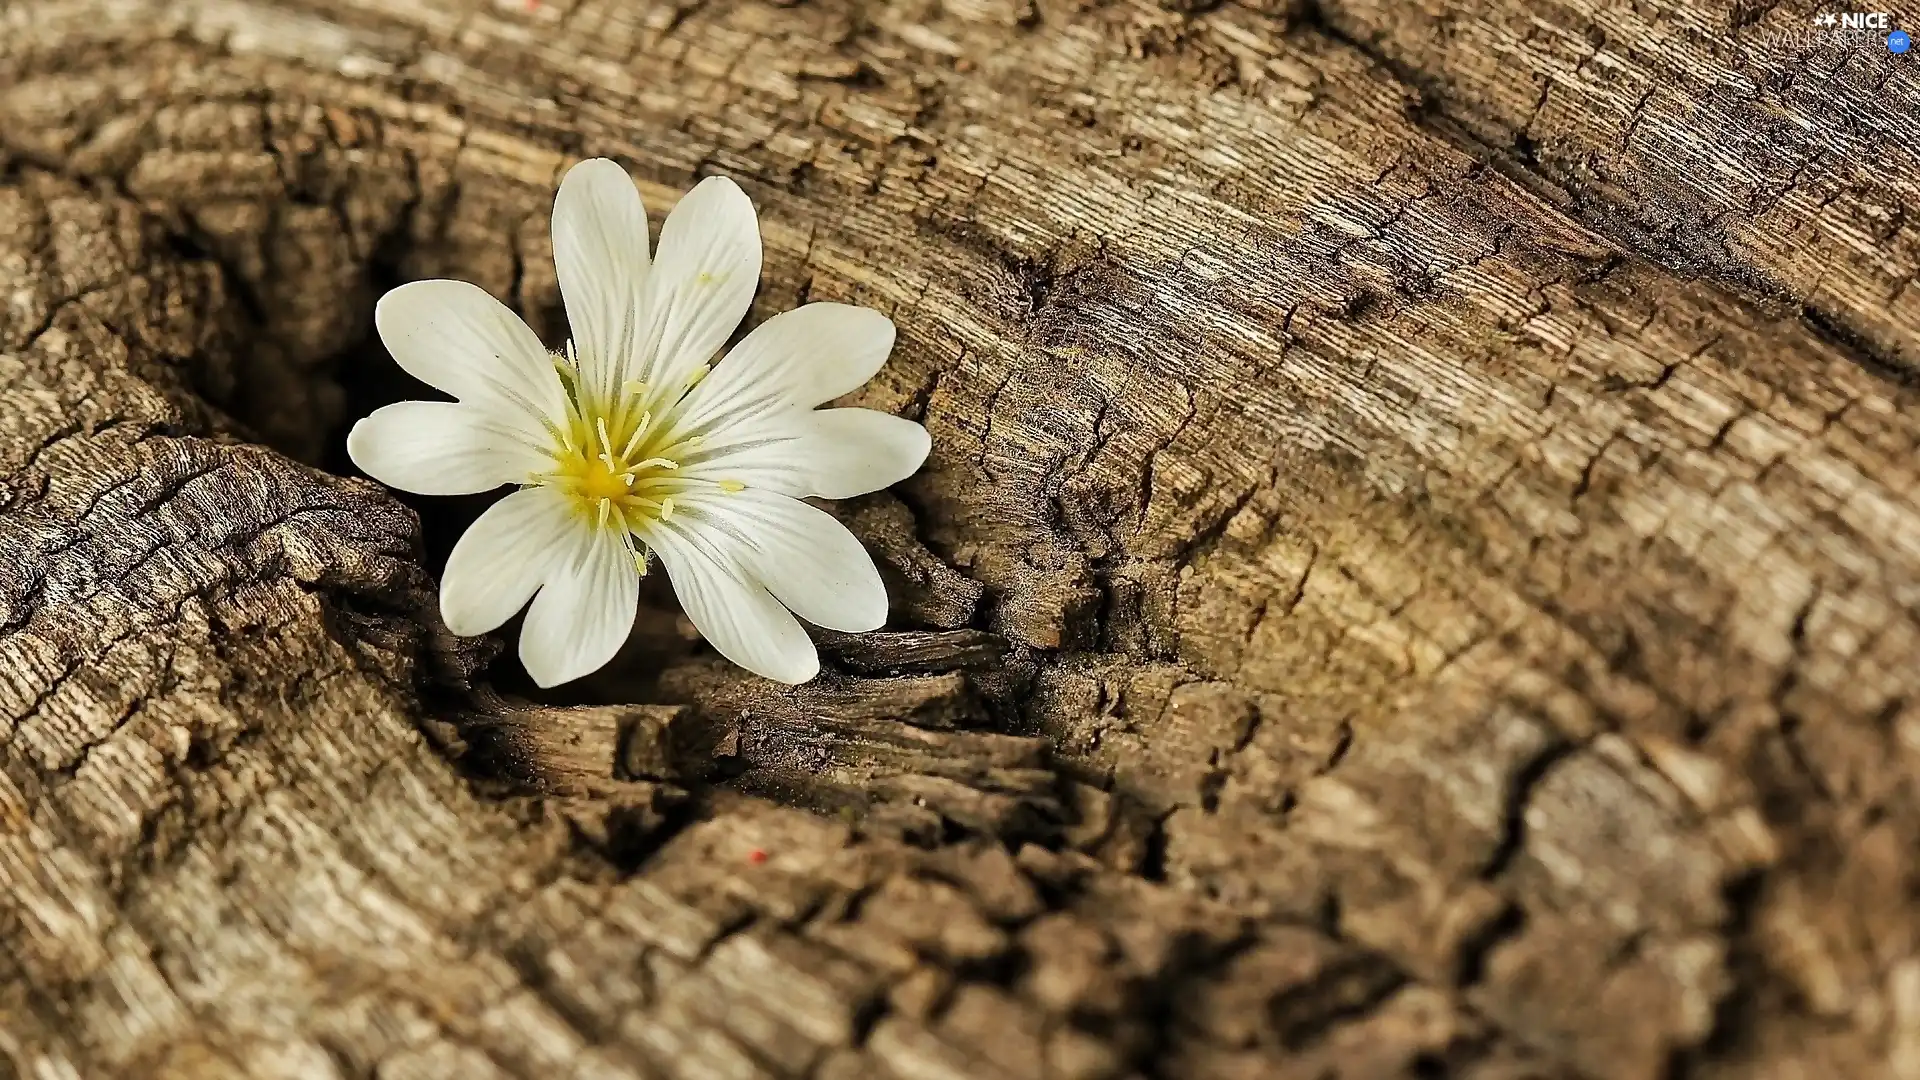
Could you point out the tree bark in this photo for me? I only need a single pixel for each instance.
(1418, 573)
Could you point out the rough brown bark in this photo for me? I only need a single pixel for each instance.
(1418, 574)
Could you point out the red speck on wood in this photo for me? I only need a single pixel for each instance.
(756, 856)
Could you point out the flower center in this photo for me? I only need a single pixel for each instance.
(597, 481)
(608, 462)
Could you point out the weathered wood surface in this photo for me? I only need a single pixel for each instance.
(1418, 573)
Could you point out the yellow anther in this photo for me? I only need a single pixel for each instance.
(666, 508)
(732, 486)
(633, 443)
(600, 425)
(640, 562)
(606, 511)
(699, 373)
(634, 387)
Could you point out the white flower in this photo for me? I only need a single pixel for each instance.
(625, 445)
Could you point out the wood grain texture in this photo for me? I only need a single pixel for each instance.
(1741, 142)
(1418, 573)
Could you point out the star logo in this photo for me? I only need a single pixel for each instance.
(1825, 18)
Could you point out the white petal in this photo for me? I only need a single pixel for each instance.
(504, 556)
(738, 617)
(767, 455)
(702, 283)
(805, 558)
(853, 451)
(455, 337)
(584, 613)
(801, 357)
(600, 251)
(443, 448)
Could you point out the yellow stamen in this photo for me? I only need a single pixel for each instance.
(699, 373)
(732, 486)
(646, 420)
(666, 508)
(600, 425)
